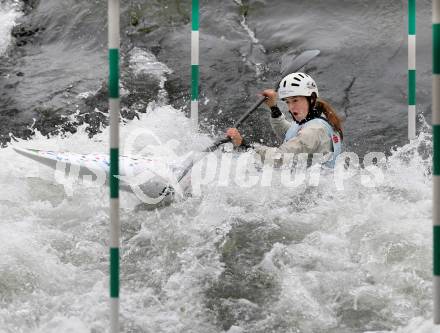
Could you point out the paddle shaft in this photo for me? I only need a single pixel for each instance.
(237, 124)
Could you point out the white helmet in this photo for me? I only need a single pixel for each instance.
(297, 84)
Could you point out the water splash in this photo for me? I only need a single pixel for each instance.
(10, 12)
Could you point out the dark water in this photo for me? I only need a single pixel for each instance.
(60, 51)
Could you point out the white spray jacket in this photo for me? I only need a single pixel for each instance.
(312, 138)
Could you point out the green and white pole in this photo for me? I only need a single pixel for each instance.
(195, 74)
(436, 154)
(411, 69)
(114, 104)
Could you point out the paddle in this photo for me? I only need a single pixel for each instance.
(296, 64)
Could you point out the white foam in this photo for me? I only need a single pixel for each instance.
(142, 61)
(359, 255)
(9, 13)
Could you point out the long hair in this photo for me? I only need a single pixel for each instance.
(331, 115)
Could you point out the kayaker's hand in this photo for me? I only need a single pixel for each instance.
(235, 136)
(271, 97)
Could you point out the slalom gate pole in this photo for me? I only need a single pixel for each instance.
(411, 69)
(114, 106)
(195, 74)
(436, 155)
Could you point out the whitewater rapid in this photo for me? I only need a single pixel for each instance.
(256, 259)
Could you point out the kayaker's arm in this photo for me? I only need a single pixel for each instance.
(313, 139)
(279, 123)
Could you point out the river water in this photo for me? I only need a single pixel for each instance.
(239, 254)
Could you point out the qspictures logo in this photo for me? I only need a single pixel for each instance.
(152, 169)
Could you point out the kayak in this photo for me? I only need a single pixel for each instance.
(151, 174)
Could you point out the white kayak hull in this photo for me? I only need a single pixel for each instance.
(96, 167)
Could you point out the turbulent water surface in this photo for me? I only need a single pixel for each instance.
(240, 254)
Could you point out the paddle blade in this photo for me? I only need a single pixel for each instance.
(299, 62)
